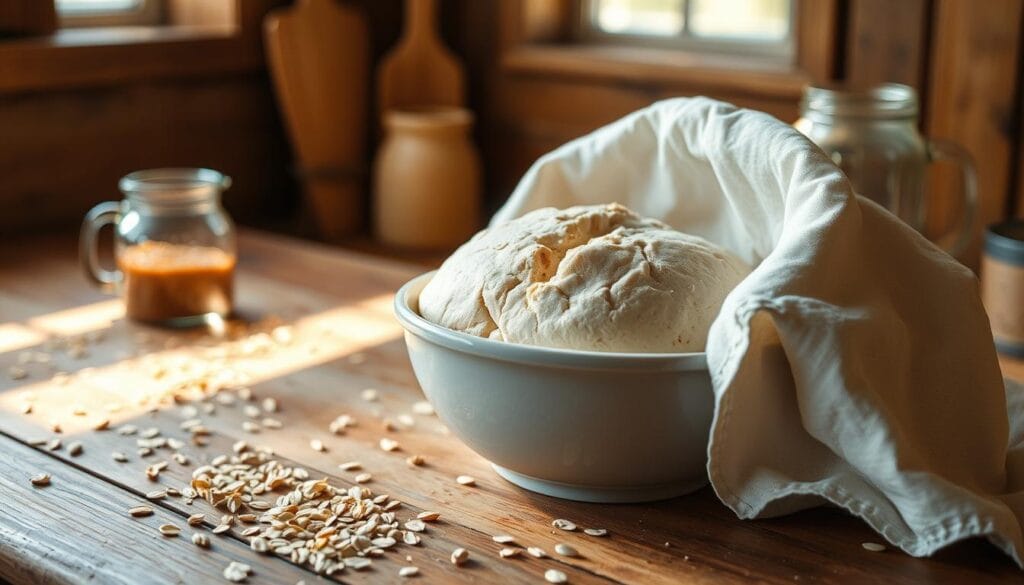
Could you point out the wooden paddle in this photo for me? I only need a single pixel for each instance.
(420, 70)
(319, 57)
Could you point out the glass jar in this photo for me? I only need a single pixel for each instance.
(174, 246)
(872, 135)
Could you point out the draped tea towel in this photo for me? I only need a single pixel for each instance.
(855, 365)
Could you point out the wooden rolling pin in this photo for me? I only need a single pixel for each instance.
(319, 57)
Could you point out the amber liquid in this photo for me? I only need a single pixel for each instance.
(166, 282)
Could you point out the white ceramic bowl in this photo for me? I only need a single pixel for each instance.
(582, 425)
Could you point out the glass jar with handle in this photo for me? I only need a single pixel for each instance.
(872, 135)
(174, 246)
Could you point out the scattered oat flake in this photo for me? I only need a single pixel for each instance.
(75, 448)
(196, 519)
(269, 404)
(503, 538)
(389, 444)
(101, 425)
(428, 516)
(595, 532)
(415, 525)
(459, 556)
(566, 550)
(17, 373)
(317, 445)
(169, 530)
(370, 395)
(466, 480)
(250, 427)
(363, 478)
(156, 494)
(508, 552)
(408, 571)
(26, 408)
(201, 540)
(140, 511)
(259, 544)
(350, 466)
(535, 551)
(563, 524)
(423, 407)
(221, 528)
(555, 576)
(415, 460)
(40, 480)
(873, 546)
(271, 423)
(237, 572)
(406, 420)
(53, 444)
(119, 457)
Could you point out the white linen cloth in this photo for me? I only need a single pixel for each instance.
(855, 365)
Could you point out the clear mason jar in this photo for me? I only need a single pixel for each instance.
(872, 135)
(174, 246)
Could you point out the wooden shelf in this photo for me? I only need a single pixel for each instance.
(73, 58)
(644, 66)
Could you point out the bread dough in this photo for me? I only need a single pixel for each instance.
(594, 277)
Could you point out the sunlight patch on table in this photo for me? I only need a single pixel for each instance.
(197, 365)
(15, 336)
(79, 319)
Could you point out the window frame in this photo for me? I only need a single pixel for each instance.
(147, 13)
(784, 50)
(536, 40)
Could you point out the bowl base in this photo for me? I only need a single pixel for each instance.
(597, 494)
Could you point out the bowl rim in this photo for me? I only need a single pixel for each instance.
(415, 324)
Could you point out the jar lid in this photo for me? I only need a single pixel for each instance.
(885, 101)
(1005, 241)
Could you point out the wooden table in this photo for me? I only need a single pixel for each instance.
(343, 340)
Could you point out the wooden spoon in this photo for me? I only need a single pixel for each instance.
(420, 70)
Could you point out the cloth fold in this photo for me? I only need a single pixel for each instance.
(855, 365)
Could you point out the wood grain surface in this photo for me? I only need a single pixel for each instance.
(343, 340)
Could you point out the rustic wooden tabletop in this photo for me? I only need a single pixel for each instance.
(320, 335)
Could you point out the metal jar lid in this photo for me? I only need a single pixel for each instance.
(1005, 242)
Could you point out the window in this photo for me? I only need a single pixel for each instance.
(76, 13)
(751, 27)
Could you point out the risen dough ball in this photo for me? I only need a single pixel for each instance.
(596, 277)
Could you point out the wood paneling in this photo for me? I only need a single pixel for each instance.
(887, 42)
(27, 16)
(62, 152)
(971, 100)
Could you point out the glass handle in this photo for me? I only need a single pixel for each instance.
(88, 253)
(946, 150)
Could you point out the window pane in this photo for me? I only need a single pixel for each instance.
(96, 6)
(759, 20)
(639, 17)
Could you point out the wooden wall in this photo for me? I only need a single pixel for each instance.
(63, 151)
(67, 145)
(963, 56)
